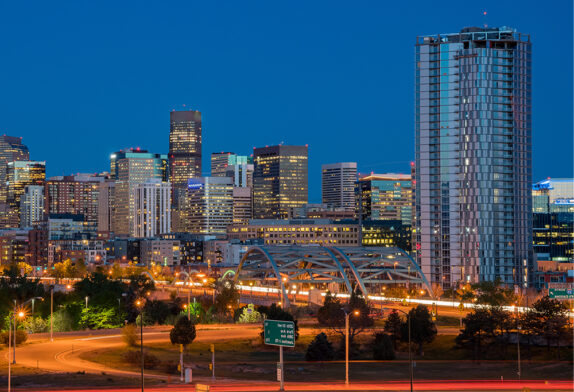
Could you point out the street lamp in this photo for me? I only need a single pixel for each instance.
(347, 314)
(140, 305)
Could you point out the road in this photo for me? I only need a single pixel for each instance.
(62, 356)
(436, 386)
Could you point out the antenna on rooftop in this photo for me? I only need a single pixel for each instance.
(484, 19)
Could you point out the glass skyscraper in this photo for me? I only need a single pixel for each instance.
(473, 156)
(184, 149)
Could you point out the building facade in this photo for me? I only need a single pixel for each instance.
(208, 205)
(11, 149)
(152, 208)
(473, 156)
(75, 195)
(338, 184)
(384, 197)
(32, 206)
(133, 167)
(184, 149)
(242, 205)
(280, 180)
(297, 232)
(20, 174)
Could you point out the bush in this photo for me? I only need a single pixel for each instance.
(133, 357)
(129, 335)
(170, 367)
(21, 337)
(320, 349)
(249, 315)
(157, 311)
(34, 324)
(382, 346)
(63, 321)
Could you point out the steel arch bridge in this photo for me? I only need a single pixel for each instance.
(364, 267)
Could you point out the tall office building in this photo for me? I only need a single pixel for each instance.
(11, 149)
(184, 149)
(133, 167)
(338, 184)
(279, 180)
(241, 173)
(242, 205)
(32, 206)
(20, 174)
(473, 156)
(106, 205)
(553, 195)
(384, 197)
(152, 208)
(220, 161)
(208, 205)
(75, 194)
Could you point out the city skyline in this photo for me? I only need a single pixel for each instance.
(245, 117)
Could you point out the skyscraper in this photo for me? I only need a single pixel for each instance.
(11, 149)
(184, 149)
(208, 205)
(32, 206)
(133, 167)
(20, 174)
(152, 208)
(338, 184)
(76, 194)
(279, 180)
(220, 161)
(385, 197)
(473, 156)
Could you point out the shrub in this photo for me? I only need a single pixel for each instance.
(34, 324)
(382, 346)
(320, 349)
(170, 367)
(133, 357)
(63, 321)
(21, 337)
(249, 315)
(129, 335)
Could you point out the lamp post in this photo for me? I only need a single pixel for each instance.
(518, 328)
(51, 313)
(347, 314)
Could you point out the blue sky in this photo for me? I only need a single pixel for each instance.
(81, 79)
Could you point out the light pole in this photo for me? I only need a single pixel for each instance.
(518, 328)
(347, 314)
(87, 301)
(139, 304)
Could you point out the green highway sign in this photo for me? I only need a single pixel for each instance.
(279, 333)
(561, 293)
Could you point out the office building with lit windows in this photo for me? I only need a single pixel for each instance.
(32, 206)
(20, 174)
(297, 232)
(152, 214)
(279, 180)
(384, 197)
(221, 161)
(208, 206)
(338, 184)
(184, 149)
(133, 167)
(11, 149)
(75, 194)
(474, 156)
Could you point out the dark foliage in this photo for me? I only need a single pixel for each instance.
(320, 349)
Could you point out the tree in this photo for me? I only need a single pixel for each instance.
(492, 293)
(157, 311)
(227, 296)
(183, 333)
(99, 317)
(484, 327)
(382, 346)
(393, 326)
(551, 320)
(320, 349)
(423, 329)
(332, 315)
